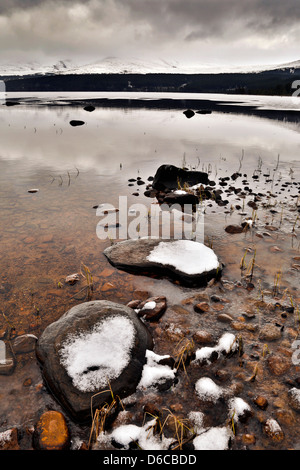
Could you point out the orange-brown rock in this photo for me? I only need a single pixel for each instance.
(52, 432)
(248, 439)
(261, 402)
(278, 364)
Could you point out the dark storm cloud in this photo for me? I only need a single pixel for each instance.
(142, 27)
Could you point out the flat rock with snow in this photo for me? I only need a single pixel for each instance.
(93, 346)
(189, 262)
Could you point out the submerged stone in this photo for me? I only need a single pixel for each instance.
(93, 347)
(51, 432)
(188, 262)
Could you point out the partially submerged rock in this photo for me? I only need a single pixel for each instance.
(92, 347)
(189, 262)
(150, 309)
(51, 432)
(76, 122)
(171, 177)
(189, 113)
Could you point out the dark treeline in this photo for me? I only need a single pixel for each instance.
(276, 82)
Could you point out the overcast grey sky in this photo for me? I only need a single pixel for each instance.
(188, 31)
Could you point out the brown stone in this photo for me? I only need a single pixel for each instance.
(140, 294)
(24, 343)
(108, 286)
(202, 336)
(233, 229)
(202, 307)
(51, 432)
(248, 439)
(238, 326)
(269, 332)
(278, 364)
(218, 307)
(261, 402)
(286, 417)
(224, 318)
(106, 272)
(145, 311)
(72, 279)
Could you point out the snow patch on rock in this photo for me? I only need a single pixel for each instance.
(95, 358)
(186, 256)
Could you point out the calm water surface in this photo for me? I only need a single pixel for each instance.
(47, 235)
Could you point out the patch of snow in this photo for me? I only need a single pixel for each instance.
(186, 256)
(295, 394)
(143, 436)
(237, 408)
(149, 305)
(5, 436)
(153, 372)
(273, 426)
(180, 192)
(217, 438)
(93, 359)
(136, 66)
(226, 344)
(196, 418)
(207, 389)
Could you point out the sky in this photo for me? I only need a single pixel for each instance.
(222, 32)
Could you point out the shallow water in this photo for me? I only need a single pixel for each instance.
(47, 235)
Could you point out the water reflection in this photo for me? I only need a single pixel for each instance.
(45, 236)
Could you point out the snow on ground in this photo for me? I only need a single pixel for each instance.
(226, 344)
(208, 390)
(237, 408)
(93, 359)
(186, 256)
(142, 435)
(135, 65)
(217, 438)
(155, 373)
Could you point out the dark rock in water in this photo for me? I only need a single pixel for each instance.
(232, 229)
(93, 345)
(181, 199)
(171, 177)
(12, 103)
(89, 108)
(189, 113)
(188, 262)
(32, 191)
(24, 344)
(204, 111)
(76, 123)
(150, 309)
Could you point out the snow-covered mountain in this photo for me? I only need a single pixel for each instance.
(133, 66)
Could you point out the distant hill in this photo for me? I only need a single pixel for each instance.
(112, 74)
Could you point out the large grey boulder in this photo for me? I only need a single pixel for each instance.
(186, 261)
(93, 347)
